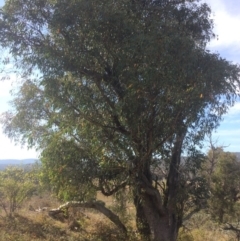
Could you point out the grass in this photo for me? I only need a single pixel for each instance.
(201, 227)
(27, 225)
(22, 228)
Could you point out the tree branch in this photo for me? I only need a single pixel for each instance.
(231, 227)
(92, 204)
(187, 217)
(114, 190)
(154, 193)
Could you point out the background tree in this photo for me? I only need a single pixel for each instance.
(212, 159)
(217, 194)
(193, 189)
(225, 188)
(221, 171)
(124, 86)
(16, 186)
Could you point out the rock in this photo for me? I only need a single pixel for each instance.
(74, 225)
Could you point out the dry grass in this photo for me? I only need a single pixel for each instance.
(206, 235)
(27, 225)
(23, 228)
(201, 227)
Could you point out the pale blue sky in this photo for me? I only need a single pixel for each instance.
(226, 14)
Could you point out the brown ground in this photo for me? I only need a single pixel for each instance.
(86, 225)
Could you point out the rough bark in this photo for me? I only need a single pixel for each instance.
(141, 220)
(159, 223)
(159, 219)
(95, 205)
(153, 224)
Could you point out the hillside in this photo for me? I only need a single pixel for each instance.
(15, 162)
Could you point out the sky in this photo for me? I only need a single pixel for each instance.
(226, 15)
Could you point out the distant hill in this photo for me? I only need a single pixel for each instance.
(27, 162)
(237, 155)
(15, 162)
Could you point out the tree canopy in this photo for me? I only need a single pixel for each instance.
(122, 87)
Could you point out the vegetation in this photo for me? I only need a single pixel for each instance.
(16, 186)
(36, 218)
(113, 93)
(225, 187)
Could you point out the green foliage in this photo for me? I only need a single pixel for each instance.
(193, 191)
(123, 86)
(120, 205)
(16, 186)
(66, 173)
(217, 196)
(225, 188)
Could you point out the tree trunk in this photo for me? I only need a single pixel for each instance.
(154, 221)
(159, 220)
(141, 220)
(155, 225)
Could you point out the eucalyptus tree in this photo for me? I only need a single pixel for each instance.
(225, 187)
(124, 87)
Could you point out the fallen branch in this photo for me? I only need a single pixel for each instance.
(231, 227)
(95, 205)
(234, 229)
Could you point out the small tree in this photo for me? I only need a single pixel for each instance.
(225, 187)
(16, 186)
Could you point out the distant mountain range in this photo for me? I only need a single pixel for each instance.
(15, 162)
